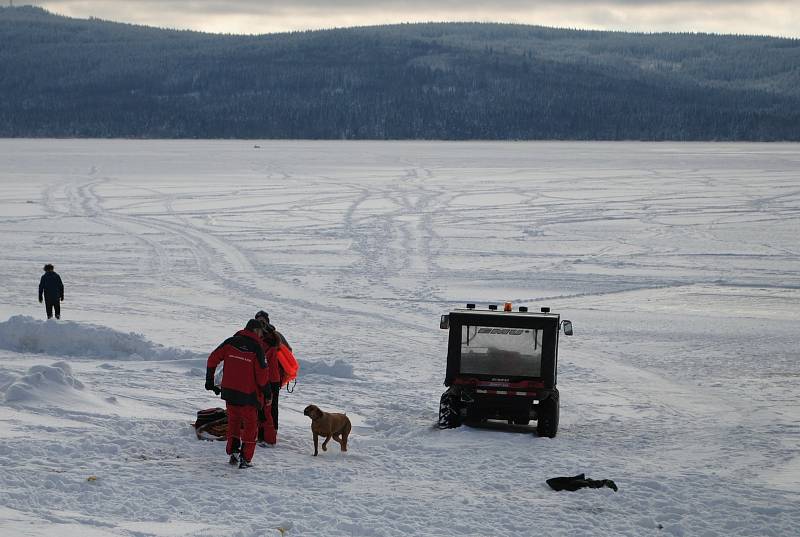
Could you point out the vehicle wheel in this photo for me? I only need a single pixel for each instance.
(547, 419)
(449, 406)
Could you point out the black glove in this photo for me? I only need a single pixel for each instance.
(210, 380)
(276, 387)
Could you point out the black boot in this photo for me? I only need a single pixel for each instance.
(235, 451)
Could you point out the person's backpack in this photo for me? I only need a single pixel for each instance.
(211, 424)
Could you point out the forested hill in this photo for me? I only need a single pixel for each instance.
(63, 77)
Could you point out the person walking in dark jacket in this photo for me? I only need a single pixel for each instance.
(245, 388)
(53, 290)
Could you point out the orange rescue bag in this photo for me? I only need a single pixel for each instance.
(288, 363)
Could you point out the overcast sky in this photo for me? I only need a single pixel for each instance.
(763, 17)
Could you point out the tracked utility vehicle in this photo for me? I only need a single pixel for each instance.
(501, 365)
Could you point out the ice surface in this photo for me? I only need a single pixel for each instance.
(678, 264)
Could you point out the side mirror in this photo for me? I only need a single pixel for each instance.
(444, 322)
(567, 326)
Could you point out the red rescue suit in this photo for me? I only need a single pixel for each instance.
(267, 426)
(245, 378)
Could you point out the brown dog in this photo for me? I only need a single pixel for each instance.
(329, 425)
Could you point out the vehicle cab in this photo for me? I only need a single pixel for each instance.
(502, 365)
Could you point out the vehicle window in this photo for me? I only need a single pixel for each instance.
(487, 350)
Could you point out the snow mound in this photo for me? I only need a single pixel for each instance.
(68, 338)
(339, 368)
(43, 380)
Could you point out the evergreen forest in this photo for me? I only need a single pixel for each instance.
(65, 77)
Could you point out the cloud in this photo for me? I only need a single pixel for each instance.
(764, 17)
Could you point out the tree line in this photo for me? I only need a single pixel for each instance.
(64, 77)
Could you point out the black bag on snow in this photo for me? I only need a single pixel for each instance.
(578, 482)
(211, 424)
(210, 414)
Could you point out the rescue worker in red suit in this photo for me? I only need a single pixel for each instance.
(245, 387)
(267, 423)
(268, 430)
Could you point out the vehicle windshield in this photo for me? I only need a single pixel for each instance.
(487, 350)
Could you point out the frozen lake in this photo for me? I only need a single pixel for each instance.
(678, 264)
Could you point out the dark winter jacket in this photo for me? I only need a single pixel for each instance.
(51, 286)
(245, 377)
(578, 482)
(283, 340)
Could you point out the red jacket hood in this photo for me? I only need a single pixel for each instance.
(248, 333)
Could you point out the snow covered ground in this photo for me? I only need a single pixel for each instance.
(677, 263)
